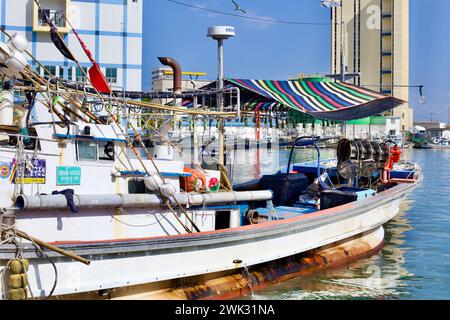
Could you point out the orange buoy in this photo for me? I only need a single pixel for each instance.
(396, 156)
(196, 182)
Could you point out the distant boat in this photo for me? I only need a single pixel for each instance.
(434, 143)
(430, 145)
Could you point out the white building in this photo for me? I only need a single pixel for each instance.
(162, 80)
(377, 127)
(435, 129)
(111, 29)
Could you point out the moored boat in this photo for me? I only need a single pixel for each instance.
(92, 209)
(133, 240)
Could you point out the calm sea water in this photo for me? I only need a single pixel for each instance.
(415, 261)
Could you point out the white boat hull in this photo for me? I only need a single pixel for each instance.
(120, 264)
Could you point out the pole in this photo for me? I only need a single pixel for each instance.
(343, 128)
(220, 103)
(195, 157)
(53, 248)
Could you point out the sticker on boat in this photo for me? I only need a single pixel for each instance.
(5, 170)
(36, 174)
(67, 176)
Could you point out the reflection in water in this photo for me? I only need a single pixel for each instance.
(378, 277)
(415, 260)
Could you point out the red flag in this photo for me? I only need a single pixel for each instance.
(98, 79)
(83, 45)
(96, 75)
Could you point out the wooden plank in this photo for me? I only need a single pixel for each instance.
(6, 128)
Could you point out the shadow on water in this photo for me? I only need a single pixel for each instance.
(415, 260)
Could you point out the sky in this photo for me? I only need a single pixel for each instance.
(266, 50)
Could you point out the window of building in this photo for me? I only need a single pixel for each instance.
(69, 73)
(86, 150)
(51, 69)
(39, 70)
(111, 75)
(55, 16)
(80, 75)
(392, 121)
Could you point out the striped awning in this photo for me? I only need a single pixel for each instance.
(326, 100)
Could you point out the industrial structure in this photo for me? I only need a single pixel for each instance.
(115, 42)
(162, 80)
(371, 37)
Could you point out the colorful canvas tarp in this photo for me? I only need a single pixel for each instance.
(326, 100)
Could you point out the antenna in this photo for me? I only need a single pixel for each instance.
(221, 33)
(431, 116)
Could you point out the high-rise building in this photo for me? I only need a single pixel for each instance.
(111, 29)
(372, 36)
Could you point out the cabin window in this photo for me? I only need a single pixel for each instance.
(86, 151)
(222, 220)
(106, 150)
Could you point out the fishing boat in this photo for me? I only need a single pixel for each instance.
(422, 142)
(91, 209)
(429, 145)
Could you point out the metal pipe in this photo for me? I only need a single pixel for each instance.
(56, 202)
(176, 72)
(220, 103)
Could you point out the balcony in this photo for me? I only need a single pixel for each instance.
(55, 16)
(55, 10)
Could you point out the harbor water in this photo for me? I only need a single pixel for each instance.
(415, 260)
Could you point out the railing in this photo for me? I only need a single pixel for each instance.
(56, 16)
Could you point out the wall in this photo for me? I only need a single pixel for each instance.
(111, 29)
(376, 43)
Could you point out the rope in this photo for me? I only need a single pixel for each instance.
(39, 249)
(10, 236)
(102, 99)
(20, 166)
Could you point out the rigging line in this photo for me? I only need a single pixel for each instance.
(250, 17)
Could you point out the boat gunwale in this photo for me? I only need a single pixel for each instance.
(226, 236)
